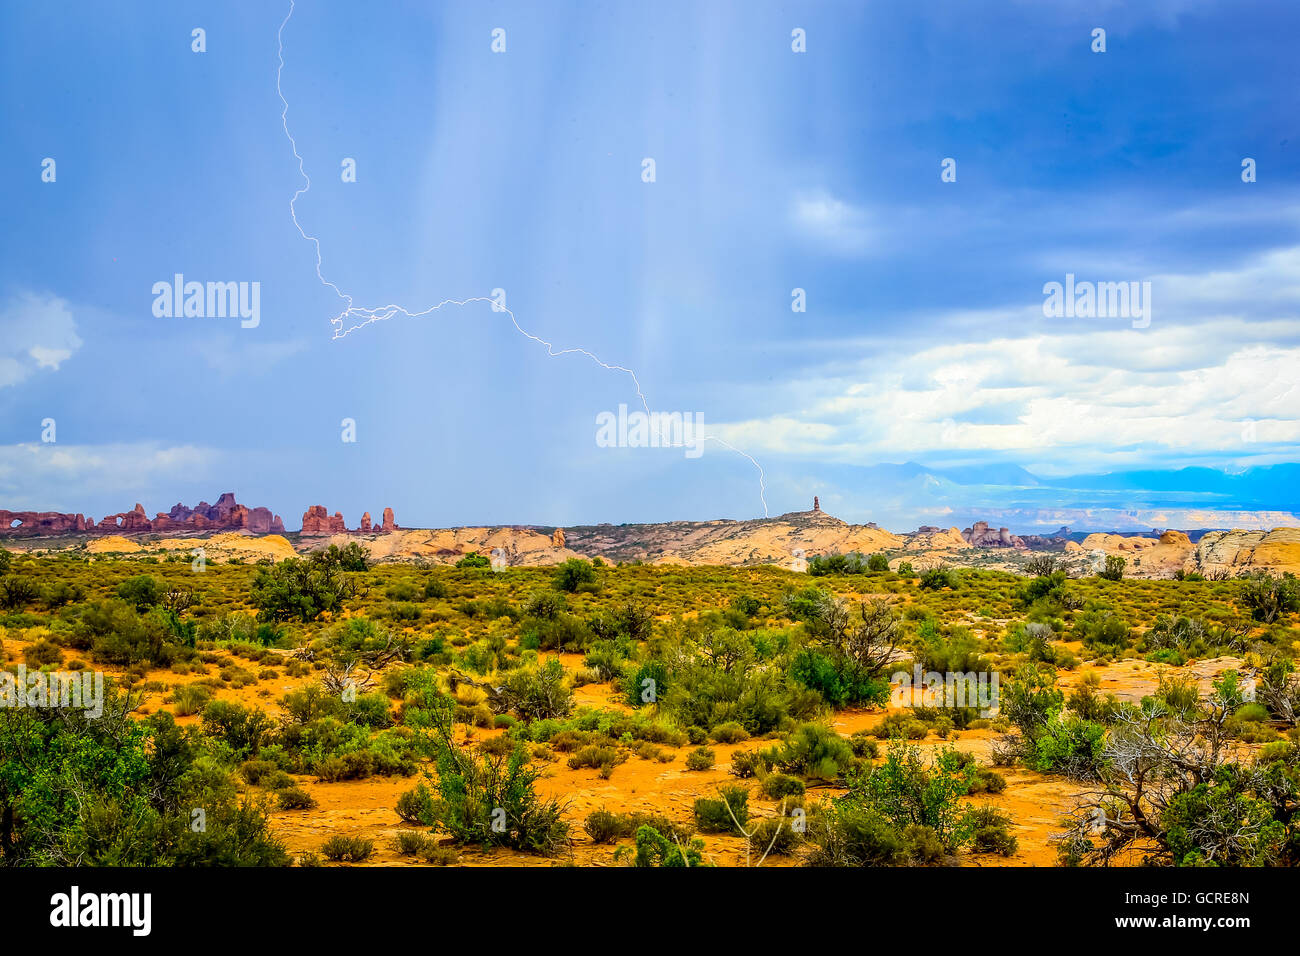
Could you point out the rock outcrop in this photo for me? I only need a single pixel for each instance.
(929, 538)
(781, 540)
(40, 523)
(316, 520)
(980, 535)
(516, 546)
(1146, 557)
(226, 515)
(1234, 552)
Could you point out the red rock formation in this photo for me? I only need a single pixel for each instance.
(226, 515)
(32, 523)
(128, 522)
(316, 520)
(982, 536)
(557, 539)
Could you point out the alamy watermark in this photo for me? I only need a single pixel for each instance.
(651, 430)
(1098, 300)
(947, 689)
(212, 300)
(71, 690)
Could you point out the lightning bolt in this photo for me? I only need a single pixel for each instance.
(367, 316)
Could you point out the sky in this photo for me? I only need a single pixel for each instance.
(923, 382)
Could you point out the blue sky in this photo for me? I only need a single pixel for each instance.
(923, 345)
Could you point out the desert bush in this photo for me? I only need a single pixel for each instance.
(990, 833)
(778, 785)
(243, 729)
(905, 789)
(296, 798)
(575, 574)
(417, 806)
(750, 763)
(116, 634)
(489, 799)
(850, 650)
(654, 849)
(412, 842)
(82, 790)
(1269, 597)
(301, 589)
(606, 827)
(937, 579)
(814, 750)
(40, 653)
(537, 693)
(729, 733)
(701, 758)
(776, 835)
(727, 814)
(347, 849)
(188, 699)
(849, 834)
(1102, 630)
(1114, 569)
(1070, 746)
(601, 757)
(141, 592)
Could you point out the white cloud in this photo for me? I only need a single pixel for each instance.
(43, 477)
(1068, 394)
(36, 332)
(831, 222)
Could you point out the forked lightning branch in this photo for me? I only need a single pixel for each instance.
(354, 317)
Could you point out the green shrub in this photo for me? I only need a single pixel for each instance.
(412, 842)
(778, 785)
(713, 816)
(990, 833)
(654, 849)
(416, 806)
(575, 574)
(750, 763)
(849, 834)
(606, 827)
(490, 799)
(776, 835)
(602, 757)
(41, 653)
(729, 733)
(141, 592)
(1070, 746)
(296, 798)
(814, 750)
(701, 758)
(347, 849)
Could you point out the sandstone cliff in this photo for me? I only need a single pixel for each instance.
(1233, 552)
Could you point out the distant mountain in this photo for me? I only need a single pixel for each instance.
(911, 494)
